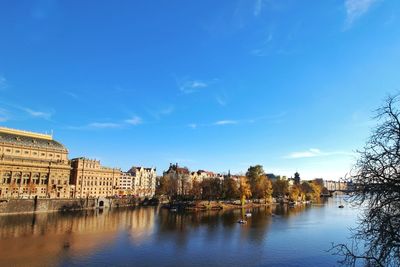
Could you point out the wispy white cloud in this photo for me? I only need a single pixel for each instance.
(103, 125)
(167, 111)
(3, 82)
(38, 114)
(135, 120)
(71, 94)
(356, 8)
(265, 47)
(158, 112)
(315, 152)
(258, 7)
(3, 115)
(193, 125)
(225, 122)
(276, 118)
(221, 101)
(191, 86)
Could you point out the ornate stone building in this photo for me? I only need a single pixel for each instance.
(144, 181)
(182, 178)
(93, 180)
(32, 164)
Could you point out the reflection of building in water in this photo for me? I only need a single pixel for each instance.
(93, 180)
(32, 164)
(79, 234)
(141, 224)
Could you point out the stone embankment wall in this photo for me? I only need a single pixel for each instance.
(11, 206)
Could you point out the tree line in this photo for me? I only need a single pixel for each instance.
(255, 185)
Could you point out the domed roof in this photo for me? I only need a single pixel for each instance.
(29, 139)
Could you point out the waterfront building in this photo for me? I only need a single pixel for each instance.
(181, 176)
(200, 175)
(32, 165)
(143, 181)
(126, 184)
(336, 185)
(93, 180)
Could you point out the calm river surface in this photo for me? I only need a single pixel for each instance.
(156, 237)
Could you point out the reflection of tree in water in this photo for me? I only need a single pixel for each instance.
(287, 212)
(181, 226)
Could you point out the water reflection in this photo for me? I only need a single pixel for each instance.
(154, 236)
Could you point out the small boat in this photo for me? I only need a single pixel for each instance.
(341, 206)
(173, 209)
(248, 214)
(242, 221)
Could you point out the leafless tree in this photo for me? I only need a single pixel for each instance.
(376, 181)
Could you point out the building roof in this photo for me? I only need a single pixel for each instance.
(174, 168)
(29, 139)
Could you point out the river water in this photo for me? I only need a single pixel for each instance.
(277, 236)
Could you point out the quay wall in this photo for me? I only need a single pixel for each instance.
(13, 206)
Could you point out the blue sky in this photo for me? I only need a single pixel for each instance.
(214, 85)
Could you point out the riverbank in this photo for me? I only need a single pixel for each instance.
(23, 206)
(212, 205)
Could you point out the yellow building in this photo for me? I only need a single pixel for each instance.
(32, 164)
(93, 180)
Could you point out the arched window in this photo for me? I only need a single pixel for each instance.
(7, 177)
(17, 177)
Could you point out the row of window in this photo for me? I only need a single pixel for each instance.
(101, 183)
(96, 178)
(34, 153)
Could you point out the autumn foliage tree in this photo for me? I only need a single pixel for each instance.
(231, 189)
(244, 189)
(260, 185)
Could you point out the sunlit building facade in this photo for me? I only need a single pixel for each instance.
(32, 165)
(144, 181)
(93, 180)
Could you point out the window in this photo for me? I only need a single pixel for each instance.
(42, 154)
(8, 150)
(26, 152)
(34, 153)
(17, 151)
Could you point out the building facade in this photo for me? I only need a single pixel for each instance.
(182, 177)
(93, 180)
(336, 185)
(125, 184)
(32, 165)
(144, 181)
